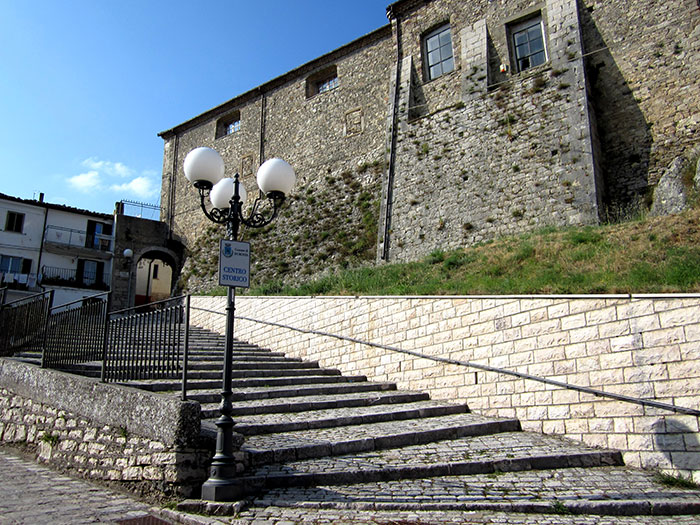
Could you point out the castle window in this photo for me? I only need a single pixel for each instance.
(228, 125)
(14, 222)
(327, 85)
(322, 82)
(437, 51)
(527, 39)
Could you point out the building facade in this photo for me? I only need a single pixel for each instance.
(456, 123)
(46, 246)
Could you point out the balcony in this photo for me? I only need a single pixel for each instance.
(53, 276)
(67, 241)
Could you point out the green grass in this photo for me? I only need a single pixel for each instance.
(656, 255)
(677, 481)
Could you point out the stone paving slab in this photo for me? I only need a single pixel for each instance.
(247, 394)
(304, 444)
(601, 489)
(503, 447)
(32, 494)
(274, 515)
(284, 422)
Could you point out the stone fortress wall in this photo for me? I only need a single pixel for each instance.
(409, 165)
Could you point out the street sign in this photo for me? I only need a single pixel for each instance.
(234, 264)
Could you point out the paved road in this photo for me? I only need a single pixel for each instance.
(32, 494)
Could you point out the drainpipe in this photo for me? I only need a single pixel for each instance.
(394, 132)
(43, 237)
(173, 178)
(263, 107)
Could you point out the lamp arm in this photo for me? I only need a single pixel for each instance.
(257, 218)
(215, 214)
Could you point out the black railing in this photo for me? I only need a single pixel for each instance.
(148, 342)
(23, 323)
(51, 275)
(3, 294)
(75, 332)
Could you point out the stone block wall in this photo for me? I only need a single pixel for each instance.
(481, 154)
(139, 441)
(641, 60)
(640, 346)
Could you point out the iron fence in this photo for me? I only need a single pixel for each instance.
(148, 342)
(75, 332)
(23, 323)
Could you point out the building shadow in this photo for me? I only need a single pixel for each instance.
(674, 438)
(624, 136)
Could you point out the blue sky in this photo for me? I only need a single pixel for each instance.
(86, 86)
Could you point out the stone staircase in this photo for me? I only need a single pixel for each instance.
(316, 438)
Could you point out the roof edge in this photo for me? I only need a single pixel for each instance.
(59, 207)
(377, 34)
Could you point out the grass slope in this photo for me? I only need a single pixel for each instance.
(652, 255)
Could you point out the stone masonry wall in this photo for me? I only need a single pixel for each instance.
(641, 58)
(482, 154)
(139, 441)
(641, 346)
(335, 142)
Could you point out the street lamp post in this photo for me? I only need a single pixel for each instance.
(204, 168)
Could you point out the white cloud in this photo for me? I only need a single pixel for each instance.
(85, 182)
(109, 177)
(141, 187)
(108, 168)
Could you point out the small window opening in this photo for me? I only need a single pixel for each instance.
(14, 222)
(437, 50)
(322, 82)
(527, 39)
(228, 125)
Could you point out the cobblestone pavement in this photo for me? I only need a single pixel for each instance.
(32, 494)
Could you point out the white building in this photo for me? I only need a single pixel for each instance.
(51, 246)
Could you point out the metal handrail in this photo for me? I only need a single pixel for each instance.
(486, 368)
(24, 322)
(150, 344)
(74, 334)
(80, 300)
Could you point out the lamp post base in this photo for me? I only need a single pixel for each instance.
(222, 490)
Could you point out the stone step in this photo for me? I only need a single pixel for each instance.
(314, 402)
(156, 385)
(285, 391)
(257, 365)
(603, 490)
(316, 443)
(236, 356)
(491, 448)
(216, 373)
(335, 417)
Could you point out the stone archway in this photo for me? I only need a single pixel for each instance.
(148, 243)
(155, 272)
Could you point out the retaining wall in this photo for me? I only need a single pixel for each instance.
(144, 442)
(641, 346)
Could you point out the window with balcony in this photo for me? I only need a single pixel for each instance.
(14, 222)
(99, 236)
